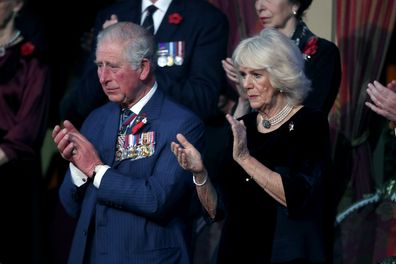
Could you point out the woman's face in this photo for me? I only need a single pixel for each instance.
(258, 87)
(274, 13)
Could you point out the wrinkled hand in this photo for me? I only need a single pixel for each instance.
(113, 19)
(240, 151)
(187, 155)
(74, 147)
(383, 99)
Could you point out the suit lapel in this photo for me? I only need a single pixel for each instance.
(166, 30)
(111, 134)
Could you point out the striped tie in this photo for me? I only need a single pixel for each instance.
(148, 22)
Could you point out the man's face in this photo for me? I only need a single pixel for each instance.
(120, 82)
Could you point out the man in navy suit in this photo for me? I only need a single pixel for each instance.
(123, 184)
(191, 37)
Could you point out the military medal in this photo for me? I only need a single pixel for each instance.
(162, 52)
(169, 61)
(179, 53)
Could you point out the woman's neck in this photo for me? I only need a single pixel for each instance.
(273, 107)
(290, 27)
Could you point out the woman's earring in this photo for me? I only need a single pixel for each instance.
(294, 12)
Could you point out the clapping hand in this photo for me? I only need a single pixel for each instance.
(187, 155)
(383, 99)
(76, 148)
(240, 151)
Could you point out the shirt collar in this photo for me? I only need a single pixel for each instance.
(136, 108)
(160, 4)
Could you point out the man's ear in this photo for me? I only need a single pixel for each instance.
(145, 69)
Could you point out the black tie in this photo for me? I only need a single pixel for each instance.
(148, 22)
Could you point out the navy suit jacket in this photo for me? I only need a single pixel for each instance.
(196, 83)
(140, 211)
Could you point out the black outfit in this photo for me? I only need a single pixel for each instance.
(323, 68)
(24, 102)
(299, 152)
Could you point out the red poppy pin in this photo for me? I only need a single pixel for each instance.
(140, 122)
(27, 49)
(175, 18)
(310, 48)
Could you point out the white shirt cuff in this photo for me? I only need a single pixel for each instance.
(78, 177)
(100, 171)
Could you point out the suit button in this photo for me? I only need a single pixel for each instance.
(85, 233)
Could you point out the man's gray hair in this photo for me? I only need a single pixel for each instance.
(137, 42)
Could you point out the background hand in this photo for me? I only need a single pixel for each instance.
(113, 19)
(383, 99)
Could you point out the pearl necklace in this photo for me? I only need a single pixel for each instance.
(278, 118)
(9, 43)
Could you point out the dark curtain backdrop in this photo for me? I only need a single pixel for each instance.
(366, 234)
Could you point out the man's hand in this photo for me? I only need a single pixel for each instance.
(76, 148)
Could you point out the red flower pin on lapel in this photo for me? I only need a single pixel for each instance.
(310, 48)
(140, 122)
(175, 18)
(27, 49)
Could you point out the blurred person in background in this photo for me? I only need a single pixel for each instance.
(24, 102)
(322, 57)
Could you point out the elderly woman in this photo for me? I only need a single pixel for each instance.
(24, 101)
(271, 191)
(322, 64)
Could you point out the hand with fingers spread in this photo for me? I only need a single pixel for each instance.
(383, 99)
(187, 155)
(190, 159)
(76, 148)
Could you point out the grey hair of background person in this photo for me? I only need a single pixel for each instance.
(272, 51)
(137, 42)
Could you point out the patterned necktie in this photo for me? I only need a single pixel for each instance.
(126, 120)
(148, 22)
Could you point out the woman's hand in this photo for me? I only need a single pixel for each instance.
(383, 99)
(187, 155)
(240, 151)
